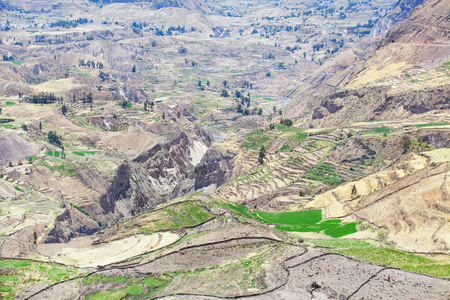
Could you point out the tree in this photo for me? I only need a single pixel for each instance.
(207, 83)
(268, 74)
(133, 69)
(262, 155)
(272, 126)
(24, 127)
(64, 109)
(224, 93)
(182, 49)
(40, 125)
(225, 84)
(286, 122)
(178, 114)
(125, 104)
(238, 94)
(199, 83)
(260, 111)
(54, 139)
(354, 190)
(0, 110)
(103, 76)
(163, 116)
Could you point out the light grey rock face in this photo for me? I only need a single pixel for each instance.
(398, 14)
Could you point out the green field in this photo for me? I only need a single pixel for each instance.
(54, 153)
(378, 130)
(66, 168)
(325, 173)
(394, 258)
(255, 139)
(23, 274)
(432, 124)
(134, 288)
(175, 216)
(302, 221)
(82, 153)
(17, 62)
(299, 137)
(9, 103)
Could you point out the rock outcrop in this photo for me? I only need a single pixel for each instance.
(70, 224)
(164, 172)
(215, 168)
(395, 16)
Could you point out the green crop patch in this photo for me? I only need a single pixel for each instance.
(289, 129)
(54, 153)
(299, 137)
(308, 217)
(432, 124)
(83, 153)
(9, 278)
(325, 173)
(31, 158)
(17, 62)
(5, 289)
(12, 264)
(175, 216)
(397, 259)
(23, 274)
(301, 221)
(256, 139)
(342, 243)
(285, 147)
(10, 103)
(378, 130)
(343, 230)
(134, 288)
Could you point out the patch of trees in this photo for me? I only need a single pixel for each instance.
(318, 46)
(54, 139)
(7, 58)
(43, 98)
(87, 98)
(70, 24)
(148, 105)
(361, 30)
(90, 64)
(286, 122)
(247, 84)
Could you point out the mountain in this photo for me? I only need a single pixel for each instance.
(192, 5)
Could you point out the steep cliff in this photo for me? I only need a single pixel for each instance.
(398, 14)
(214, 169)
(164, 172)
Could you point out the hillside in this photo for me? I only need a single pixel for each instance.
(224, 149)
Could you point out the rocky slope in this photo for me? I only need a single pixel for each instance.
(398, 14)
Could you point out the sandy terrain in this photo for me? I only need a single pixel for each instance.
(80, 251)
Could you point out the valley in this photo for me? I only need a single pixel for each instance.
(224, 149)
